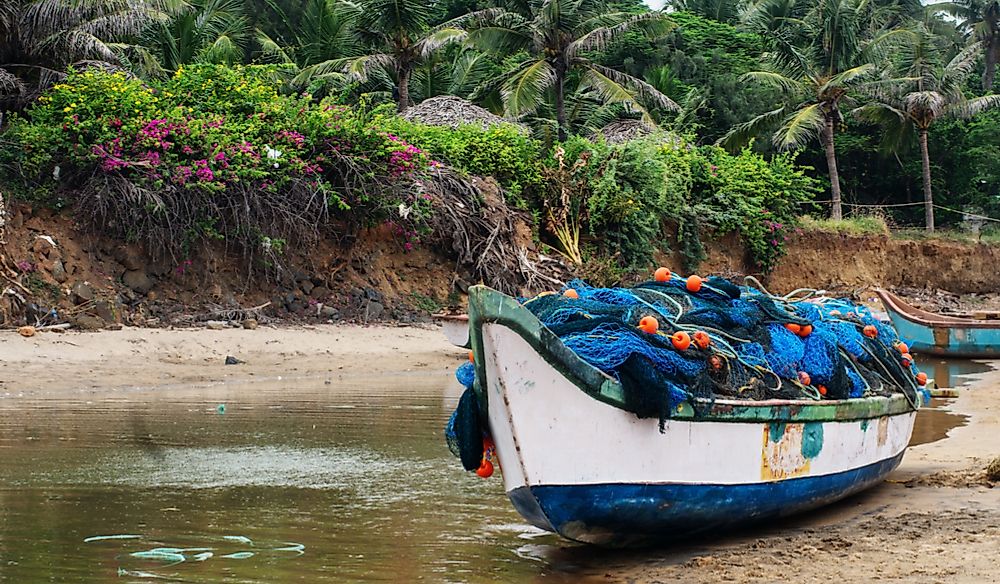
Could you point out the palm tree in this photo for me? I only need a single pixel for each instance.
(206, 31)
(402, 28)
(931, 91)
(39, 39)
(817, 62)
(556, 38)
(980, 20)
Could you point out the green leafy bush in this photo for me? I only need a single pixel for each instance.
(503, 151)
(758, 198)
(214, 152)
(634, 190)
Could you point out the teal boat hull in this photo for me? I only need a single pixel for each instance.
(931, 334)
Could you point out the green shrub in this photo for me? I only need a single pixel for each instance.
(758, 198)
(213, 152)
(503, 151)
(637, 188)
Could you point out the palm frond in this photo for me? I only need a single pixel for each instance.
(799, 127)
(977, 105)
(524, 91)
(438, 39)
(359, 68)
(470, 70)
(844, 79)
(786, 85)
(499, 39)
(270, 49)
(652, 24)
(635, 85)
(741, 134)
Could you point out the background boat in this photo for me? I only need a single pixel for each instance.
(928, 333)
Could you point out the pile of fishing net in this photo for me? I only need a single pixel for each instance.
(673, 340)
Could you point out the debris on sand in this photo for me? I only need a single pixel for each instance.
(993, 471)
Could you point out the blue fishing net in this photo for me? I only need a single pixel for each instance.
(762, 347)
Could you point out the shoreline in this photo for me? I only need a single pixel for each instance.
(54, 364)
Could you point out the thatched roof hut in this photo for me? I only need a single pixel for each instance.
(451, 111)
(620, 131)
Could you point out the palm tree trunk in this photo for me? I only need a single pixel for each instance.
(928, 196)
(831, 164)
(560, 102)
(992, 51)
(403, 79)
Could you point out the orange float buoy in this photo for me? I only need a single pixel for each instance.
(870, 331)
(648, 324)
(571, 293)
(485, 469)
(822, 389)
(680, 340)
(795, 328)
(804, 378)
(921, 378)
(693, 283)
(806, 330)
(903, 348)
(662, 275)
(907, 359)
(472, 357)
(701, 339)
(715, 362)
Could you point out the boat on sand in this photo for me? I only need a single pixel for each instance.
(928, 333)
(575, 462)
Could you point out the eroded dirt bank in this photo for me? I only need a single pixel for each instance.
(53, 272)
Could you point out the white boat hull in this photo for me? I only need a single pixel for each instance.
(596, 473)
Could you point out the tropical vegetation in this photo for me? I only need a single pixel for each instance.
(179, 122)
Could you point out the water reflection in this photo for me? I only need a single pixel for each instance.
(934, 421)
(356, 471)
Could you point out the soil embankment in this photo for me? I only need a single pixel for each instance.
(54, 272)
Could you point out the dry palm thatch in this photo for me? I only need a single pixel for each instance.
(490, 241)
(621, 131)
(451, 111)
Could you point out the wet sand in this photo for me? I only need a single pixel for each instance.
(66, 363)
(935, 520)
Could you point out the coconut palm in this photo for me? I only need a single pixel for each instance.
(206, 31)
(980, 21)
(40, 38)
(930, 91)
(831, 52)
(402, 28)
(556, 39)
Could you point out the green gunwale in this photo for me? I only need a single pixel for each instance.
(489, 306)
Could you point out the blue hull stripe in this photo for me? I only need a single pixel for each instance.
(618, 513)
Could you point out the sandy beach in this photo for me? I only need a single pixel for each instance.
(935, 520)
(54, 363)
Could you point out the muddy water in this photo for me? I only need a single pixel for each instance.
(353, 470)
(934, 421)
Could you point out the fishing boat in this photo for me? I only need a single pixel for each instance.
(576, 463)
(928, 333)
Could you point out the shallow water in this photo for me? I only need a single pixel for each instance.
(353, 471)
(934, 421)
